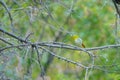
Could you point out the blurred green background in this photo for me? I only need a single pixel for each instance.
(92, 20)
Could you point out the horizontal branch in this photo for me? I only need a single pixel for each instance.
(72, 47)
(62, 46)
(103, 47)
(13, 46)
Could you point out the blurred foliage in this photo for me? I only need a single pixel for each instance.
(91, 20)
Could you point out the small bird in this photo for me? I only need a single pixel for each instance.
(78, 40)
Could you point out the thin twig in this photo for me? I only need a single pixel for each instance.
(13, 46)
(41, 67)
(26, 38)
(65, 46)
(72, 47)
(5, 41)
(13, 35)
(63, 58)
(6, 8)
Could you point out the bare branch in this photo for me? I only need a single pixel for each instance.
(5, 41)
(13, 46)
(6, 8)
(72, 47)
(41, 67)
(13, 35)
(63, 58)
(66, 46)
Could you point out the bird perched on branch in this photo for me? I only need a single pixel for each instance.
(78, 40)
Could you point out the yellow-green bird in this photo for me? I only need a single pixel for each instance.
(78, 40)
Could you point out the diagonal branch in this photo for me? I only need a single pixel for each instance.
(63, 58)
(5, 41)
(13, 35)
(6, 8)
